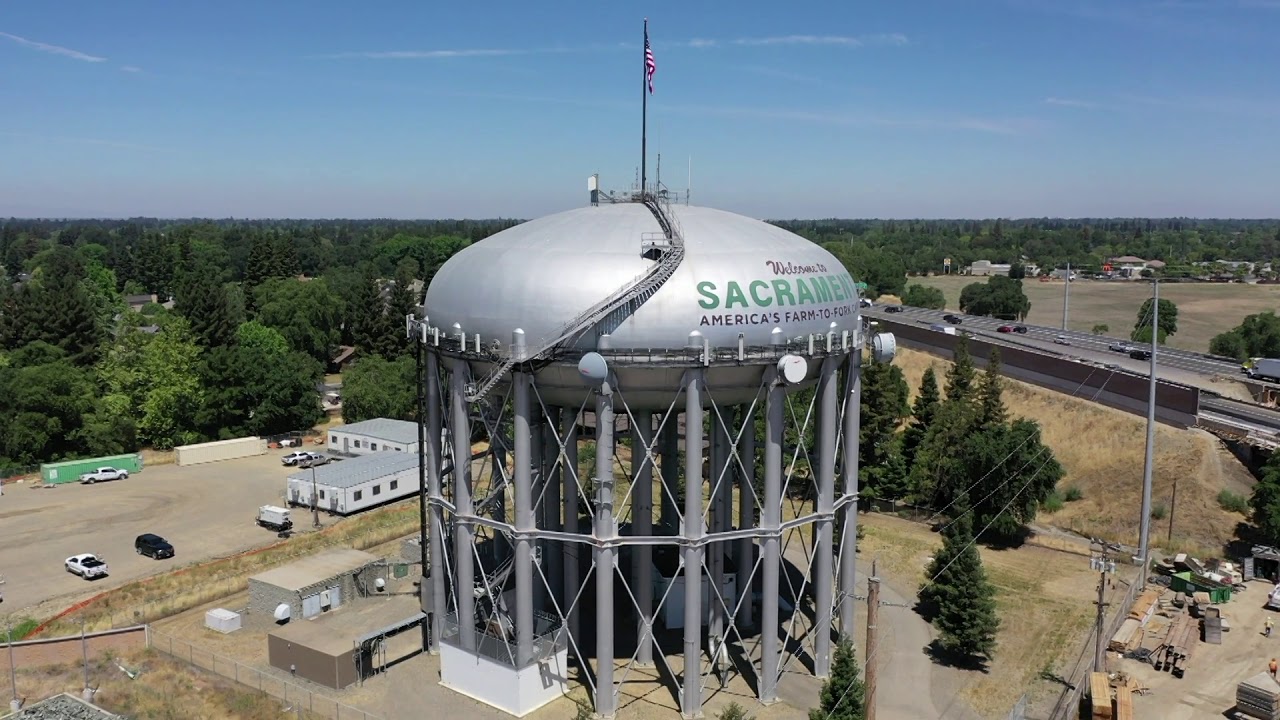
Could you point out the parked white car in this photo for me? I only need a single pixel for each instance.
(103, 474)
(87, 566)
(299, 456)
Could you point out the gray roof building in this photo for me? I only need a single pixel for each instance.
(359, 469)
(396, 431)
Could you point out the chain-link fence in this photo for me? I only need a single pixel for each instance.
(291, 694)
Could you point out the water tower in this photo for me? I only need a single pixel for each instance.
(647, 418)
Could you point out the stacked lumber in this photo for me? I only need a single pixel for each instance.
(1100, 696)
(1175, 652)
(1124, 637)
(1259, 697)
(1124, 704)
(1145, 604)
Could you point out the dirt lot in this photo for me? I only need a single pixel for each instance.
(1208, 690)
(1204, 309)
(1102, 451)
(206, 511)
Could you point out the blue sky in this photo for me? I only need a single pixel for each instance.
(952, 108)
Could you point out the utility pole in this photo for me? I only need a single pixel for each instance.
(1066, 297)
(873, 616)
(87, 694)
(1144, 536)
(14, 704)
(1103, 563)
(315, 504)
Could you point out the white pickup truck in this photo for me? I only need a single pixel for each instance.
(103, 474)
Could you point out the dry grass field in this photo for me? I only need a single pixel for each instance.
(1204, 309)
(165, 689)
(1043, 598)
(1102, 451)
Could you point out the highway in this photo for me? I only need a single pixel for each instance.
(1176, 366)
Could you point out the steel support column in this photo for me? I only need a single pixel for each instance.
(642, 525)
(537, 509)
(572, 550)
(691, 696)
(524, 522)
(552, 555)
(606, 529)
(849, 528)
(670, 447)
(464, 531)
(745, 556)
(435, 499)
(770, 521)
(828, 404)
(717, 522)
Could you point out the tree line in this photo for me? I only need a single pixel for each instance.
(244, 319)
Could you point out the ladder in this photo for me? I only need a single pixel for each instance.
(612, 310)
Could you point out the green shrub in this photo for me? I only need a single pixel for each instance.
(1073, 493)
(733, 711)
(1158, 511)
(1052, 504)
(1233, 502)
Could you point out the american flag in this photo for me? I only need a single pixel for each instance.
(650, 65)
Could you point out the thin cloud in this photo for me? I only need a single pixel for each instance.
(425, 54)
(892, 39)
(1067, 102)
(855, 118)
(782, 75)
(53, 49)
(130, 69)
(100, 142)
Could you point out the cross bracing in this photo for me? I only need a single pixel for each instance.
(572, 523)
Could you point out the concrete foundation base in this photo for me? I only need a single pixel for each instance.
(517, 691)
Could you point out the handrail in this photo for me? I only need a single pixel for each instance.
(636, 291)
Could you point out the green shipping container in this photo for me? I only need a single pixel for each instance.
(70, 470)
(1183, 582)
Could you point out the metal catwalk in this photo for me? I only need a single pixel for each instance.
(548, 535)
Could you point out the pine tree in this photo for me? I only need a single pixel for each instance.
(368, 316)
(399, 304)
(1265, 501)
(203, 301)
(260, 265)
(884, 404)
(843, 694)
(958, 593)
(961, 376)
(991, 409)
(923, 411)
(286, 257)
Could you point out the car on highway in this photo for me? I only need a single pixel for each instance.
(1020, 329)
(87, 566)
(1120, 347)
(153, 546)
(893, 308)
(103, 474)
(1005, 329)
(1061, 340)
(953, 319)
(1140, 354)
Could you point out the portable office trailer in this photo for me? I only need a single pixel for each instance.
(357, 484)
(373, 436)
(219, 450)
(70, 470)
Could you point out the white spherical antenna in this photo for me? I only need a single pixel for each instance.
(884, 346)
(792, 369)
(593, 368)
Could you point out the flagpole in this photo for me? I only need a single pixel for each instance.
(644, 110)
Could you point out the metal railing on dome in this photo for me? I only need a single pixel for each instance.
(612, 310)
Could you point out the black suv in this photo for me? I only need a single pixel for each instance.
(153, 546)
(1140, 354)
(893, 308)
(953, 319)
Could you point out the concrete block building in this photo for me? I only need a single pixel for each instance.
(313, 585)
